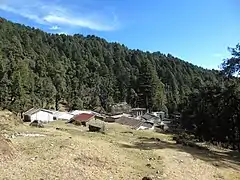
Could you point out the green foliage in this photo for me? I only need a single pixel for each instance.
(212, 112)
(231, 66)
(40, 69)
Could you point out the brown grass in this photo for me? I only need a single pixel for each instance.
(7, 150)
(71, 152)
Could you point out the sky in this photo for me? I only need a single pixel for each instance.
(197, 31)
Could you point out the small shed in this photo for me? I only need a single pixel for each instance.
(82, 119)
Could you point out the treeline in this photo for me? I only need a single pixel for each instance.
(41, 70)
(213, 112)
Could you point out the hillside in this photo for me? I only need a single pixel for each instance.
(41, 69)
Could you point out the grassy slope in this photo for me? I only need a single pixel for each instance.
(121, 153)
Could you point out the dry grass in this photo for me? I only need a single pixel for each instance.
(7, 150)
(8, 121)
(71, 152)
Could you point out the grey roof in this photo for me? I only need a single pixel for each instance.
(129, 121)
(138, 109)
(31, 111)
(146, 124)
(149, 116)
(34, 110)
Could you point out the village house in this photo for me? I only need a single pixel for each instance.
(82, 119)
(97, 115)
(42, 115)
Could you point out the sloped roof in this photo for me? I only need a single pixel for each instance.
(35, 110)
(84, 117)
(146, 124)
(120, 115)
(149, 116)
(31, 111)
(138, 109)
(129, 121)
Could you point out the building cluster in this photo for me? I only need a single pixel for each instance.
(137, 118)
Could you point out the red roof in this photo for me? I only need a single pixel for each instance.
(84, 117)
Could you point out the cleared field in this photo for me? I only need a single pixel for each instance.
(71, 152)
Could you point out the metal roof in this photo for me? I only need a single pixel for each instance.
(84, 117)
(31, 111)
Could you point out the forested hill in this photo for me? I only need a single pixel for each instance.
(41, 69)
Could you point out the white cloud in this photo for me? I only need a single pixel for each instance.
(81, 22)
(54, 15)
(23, 13)
(54, 28)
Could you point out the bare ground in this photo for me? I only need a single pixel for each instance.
(70, 152)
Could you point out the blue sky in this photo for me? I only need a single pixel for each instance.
(198, 31)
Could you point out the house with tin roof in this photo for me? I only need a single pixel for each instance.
(82, 119)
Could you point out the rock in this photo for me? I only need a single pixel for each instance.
(34, 158)
(181, 161)
(146, 178)
(216, 164)
(148, 165)
(157, 172)
(13, 136)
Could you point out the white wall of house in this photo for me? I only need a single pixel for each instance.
(42, 116)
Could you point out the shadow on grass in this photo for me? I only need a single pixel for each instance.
(228, 159)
